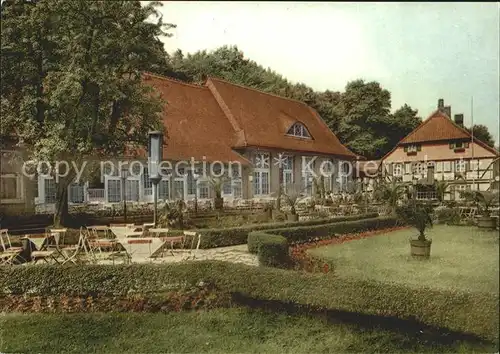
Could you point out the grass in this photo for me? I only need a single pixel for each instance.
(217, 331)
(463, 258)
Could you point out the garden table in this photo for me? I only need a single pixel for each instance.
(124, 232)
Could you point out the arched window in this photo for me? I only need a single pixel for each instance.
(298, 129)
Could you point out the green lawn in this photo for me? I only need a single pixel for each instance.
(218, 331)
(461, 257)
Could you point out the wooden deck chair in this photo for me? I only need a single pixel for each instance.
(82, 253)
(8, 254)
(195, 239)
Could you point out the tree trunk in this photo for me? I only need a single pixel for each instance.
(62, 208)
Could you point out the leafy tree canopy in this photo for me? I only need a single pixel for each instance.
(71, 76)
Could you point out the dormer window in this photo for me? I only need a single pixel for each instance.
(412, 149)
(299, 130)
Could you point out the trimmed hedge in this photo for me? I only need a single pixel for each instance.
(302, 234)
(212, 238)
(272, 250)
(467, 312)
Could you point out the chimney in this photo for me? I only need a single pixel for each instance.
(447, 110)
(440, 104)
(459, 119)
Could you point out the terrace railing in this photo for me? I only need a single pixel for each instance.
(96, 195)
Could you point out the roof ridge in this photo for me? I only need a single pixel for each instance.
(168, 78)
(256, 90)
(426, 121)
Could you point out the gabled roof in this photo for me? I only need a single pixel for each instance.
(196, 125)
(439, 127)
(435, 128)
(263, 119)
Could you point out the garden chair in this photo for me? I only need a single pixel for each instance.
(8, 254)
(195, 239)
(82, 252)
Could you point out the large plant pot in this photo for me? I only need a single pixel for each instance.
(486, 222)
(420, 249)
(292, 217)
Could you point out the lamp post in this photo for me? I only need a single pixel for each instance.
(155, 156)
(124, 175)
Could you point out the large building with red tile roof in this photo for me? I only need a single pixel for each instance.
(268, 140)
(441, 148)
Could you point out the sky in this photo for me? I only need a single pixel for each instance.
(420, 52)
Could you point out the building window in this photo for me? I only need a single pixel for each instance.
(298, 129)
(236, 184)
(114, 191)
(287, 166)
(191, 184)
(398, 169)
(226, 187)
(460, 166)
(76, 194)
(344, 179)
(148, 186)
(473, 165)
(439, 166)
(178, 189)
(307, 176)
(408, 168)
(164, 189)
(9, 186)
(132, 190)
(203, 189)
(261, 174)
(236, 188)
(412, 148)
(50, 191)
(261, 183)
(447, 166)
(420, 168)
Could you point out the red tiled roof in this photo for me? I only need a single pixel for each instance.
(435, 128)
(196, 125)
(263, 119)
(439, 127)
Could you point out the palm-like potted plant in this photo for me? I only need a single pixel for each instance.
(483, 200)
(441, 188)
(418, 215)
(390, 193)
(292, 197)
(217, 183)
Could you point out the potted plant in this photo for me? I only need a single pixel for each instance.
(217, 183)
(292, 197)
(268, 210)
(441, 188)
(483, 200)
(277, 209)
(418, 215)
(390, 194)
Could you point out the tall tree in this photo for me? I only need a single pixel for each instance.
(482, 133)
(71, 79)
(366, 108)
(400, 124)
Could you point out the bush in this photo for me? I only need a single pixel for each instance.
(212, 238)
(301, 234)
(469, 312)
(272, 250)
(449, 216)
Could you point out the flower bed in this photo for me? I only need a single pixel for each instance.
(302, 260)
